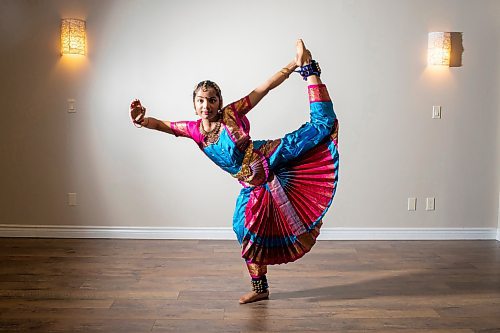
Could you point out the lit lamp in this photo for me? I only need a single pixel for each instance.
(73, 36)
(439, 48)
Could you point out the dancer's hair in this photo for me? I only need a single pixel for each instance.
(204, 85)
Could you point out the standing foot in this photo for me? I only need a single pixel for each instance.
(254, 296)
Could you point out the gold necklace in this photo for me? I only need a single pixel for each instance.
(213, 135)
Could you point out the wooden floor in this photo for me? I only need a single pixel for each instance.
(88, 285)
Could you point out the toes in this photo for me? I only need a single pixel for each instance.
(253, 297)
(303, 54)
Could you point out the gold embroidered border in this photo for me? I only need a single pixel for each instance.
(256, 270)
(245, 170)
(318, 93)
(268, 148)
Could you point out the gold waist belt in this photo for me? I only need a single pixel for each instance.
(245, 170)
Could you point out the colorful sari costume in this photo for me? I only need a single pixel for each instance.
(288, 183)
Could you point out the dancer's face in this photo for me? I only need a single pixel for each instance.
(206, 104)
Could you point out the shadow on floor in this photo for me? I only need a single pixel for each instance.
(429, 283)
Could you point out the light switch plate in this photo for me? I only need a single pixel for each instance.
(412, 203)
(71, 105)
(436, 112)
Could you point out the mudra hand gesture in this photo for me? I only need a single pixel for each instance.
(137, 112)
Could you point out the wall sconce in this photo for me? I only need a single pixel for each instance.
(73, 36)
(439, 48)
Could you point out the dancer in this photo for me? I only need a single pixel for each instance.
(288, 183)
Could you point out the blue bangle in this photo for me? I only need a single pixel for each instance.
(308, 70)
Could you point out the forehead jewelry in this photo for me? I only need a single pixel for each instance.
(205, 86)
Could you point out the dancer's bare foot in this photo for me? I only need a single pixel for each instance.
(303, 56)
(254, 297)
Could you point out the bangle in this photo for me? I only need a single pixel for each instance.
(142, 124)
(285, 71)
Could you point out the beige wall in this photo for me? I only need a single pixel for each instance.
(373, 54)
(498, 132)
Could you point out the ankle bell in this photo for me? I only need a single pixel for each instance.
(308, 70)
(259, 285)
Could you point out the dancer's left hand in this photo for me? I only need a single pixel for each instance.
(137, 111)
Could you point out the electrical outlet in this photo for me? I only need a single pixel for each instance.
(430, 203)
(412, 203)
(72, 199)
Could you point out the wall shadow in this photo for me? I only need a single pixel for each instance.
(457, 49)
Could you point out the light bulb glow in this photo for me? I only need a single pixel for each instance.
(439, 48)
(73, 36)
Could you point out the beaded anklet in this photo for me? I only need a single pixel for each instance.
(310, 69)
(259, 285)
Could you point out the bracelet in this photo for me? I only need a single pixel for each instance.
(310, 69)
(285, 71)
(141, 125)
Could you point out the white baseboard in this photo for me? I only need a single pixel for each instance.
(65, 231)
(408, 233)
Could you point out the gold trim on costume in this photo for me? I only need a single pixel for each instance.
(245, 170)
(256, 270)
(268, 148)
(229, 118)
(318, 93)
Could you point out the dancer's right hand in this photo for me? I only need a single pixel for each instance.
(137, 111)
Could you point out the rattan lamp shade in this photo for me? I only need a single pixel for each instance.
(73, 36)
(439, 48)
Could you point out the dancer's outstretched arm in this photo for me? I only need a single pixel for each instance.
(302, 58)
(258, 93)
(137, 112)
(156, 124)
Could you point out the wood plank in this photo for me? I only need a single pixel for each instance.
(110, 285)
